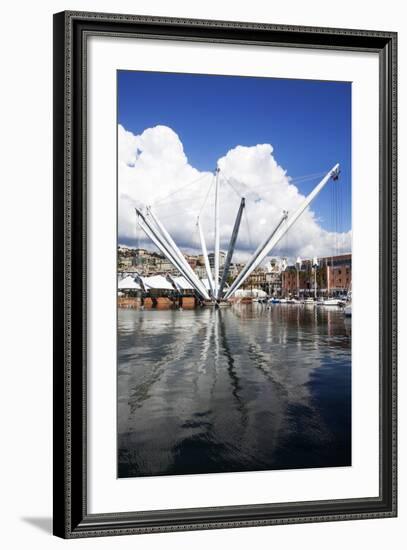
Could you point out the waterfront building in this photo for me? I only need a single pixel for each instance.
(222, 258)
(192, 260)
(235, 269)
(200, 271)
(333, 276)
(165, 266)
(200, 259)
(273, 283)
(276, 265)
(257, 279)
(268, 281)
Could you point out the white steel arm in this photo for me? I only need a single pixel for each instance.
(280, 232)
(176, 251)
(206, 259)
(216, 252)
(231, 247)
(247, 268)
(149, 231)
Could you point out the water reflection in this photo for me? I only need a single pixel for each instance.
(242, 388)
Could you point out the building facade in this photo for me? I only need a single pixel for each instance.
(222, 258)
(332, 276)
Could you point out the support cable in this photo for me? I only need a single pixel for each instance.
(162, 199)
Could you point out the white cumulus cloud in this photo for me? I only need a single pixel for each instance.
(154, 170)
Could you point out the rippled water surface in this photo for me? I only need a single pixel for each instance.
(242, 388)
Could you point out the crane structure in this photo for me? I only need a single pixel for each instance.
(216, 290)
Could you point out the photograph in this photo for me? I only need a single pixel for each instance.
(234, 273)
(203, 227)
(224, 273)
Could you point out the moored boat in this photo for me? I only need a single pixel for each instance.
(220, 303)
(309, 302)
(331, 302)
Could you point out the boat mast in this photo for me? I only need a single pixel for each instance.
(231, 246)
(216, 252)
(328, 275)
(315, 266)
(298, 266)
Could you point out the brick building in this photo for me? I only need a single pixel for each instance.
(333, 276)
(269, 281)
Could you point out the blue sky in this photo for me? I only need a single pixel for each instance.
(307, 122)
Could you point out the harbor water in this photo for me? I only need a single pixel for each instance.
(242, 388)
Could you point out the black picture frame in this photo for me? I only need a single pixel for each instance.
(71, 519)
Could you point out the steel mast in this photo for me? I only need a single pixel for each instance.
(168, 253)
(206, 259)
(174, 248)
(216, 252)
(231, 246)
(247, 268)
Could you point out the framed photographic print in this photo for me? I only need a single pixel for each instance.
(224, 274)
